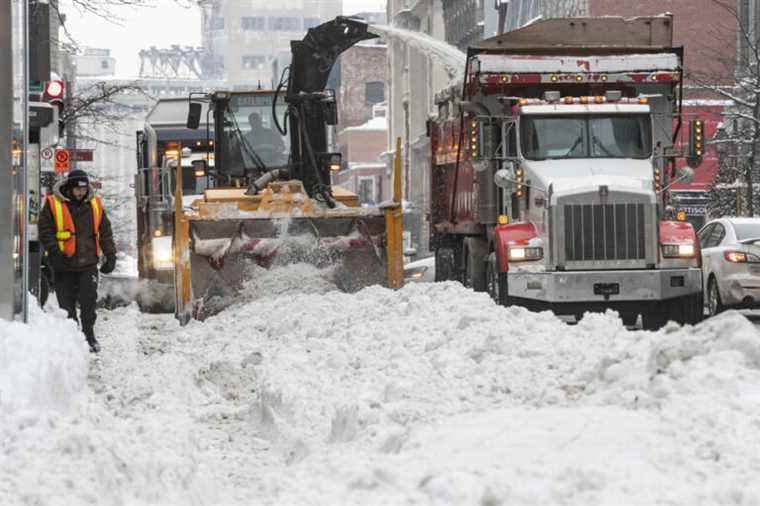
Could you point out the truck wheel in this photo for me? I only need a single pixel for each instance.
(694, 307)
(629, 319)
(444, 264)
(475, 266)
(503, 289)
(656, 318)
(492, 281)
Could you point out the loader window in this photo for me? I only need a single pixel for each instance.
(250, 133)
(586, 136)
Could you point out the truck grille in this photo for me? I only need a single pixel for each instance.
(604, 232)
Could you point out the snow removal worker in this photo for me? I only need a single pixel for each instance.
(75, 232)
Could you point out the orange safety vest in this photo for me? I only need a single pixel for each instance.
(65, 232)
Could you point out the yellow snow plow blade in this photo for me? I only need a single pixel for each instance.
(227, 236)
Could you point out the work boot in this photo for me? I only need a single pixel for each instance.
(94, 345)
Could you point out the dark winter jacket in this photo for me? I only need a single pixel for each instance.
(85, 257)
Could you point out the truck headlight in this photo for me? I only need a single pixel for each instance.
(678, 250)
(163, 253)
(523, 254)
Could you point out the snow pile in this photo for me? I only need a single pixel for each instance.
(428, 395)
(43, 364)
(434, 394)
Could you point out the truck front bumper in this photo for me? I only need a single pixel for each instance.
(605, 287)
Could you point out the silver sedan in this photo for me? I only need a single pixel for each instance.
(731, 263)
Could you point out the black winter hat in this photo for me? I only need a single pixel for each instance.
(78, 177)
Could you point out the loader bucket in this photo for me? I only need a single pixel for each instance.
(223, 253)
(231, 237)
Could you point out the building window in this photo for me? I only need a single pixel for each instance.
(216, 23)
(310, 23)
(253, 23)
(104, 64)
(375, 92)
(253, 61)
(285, 24)
(367, 190)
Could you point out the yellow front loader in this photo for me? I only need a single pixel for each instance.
(222, 237)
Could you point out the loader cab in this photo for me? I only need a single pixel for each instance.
(248, 141)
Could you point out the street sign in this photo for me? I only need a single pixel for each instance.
(81, 155)
(47, 154)
(61, 160)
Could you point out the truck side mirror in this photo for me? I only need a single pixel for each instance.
(504, 178)
(194, 115)
(696, 143)
(684, 175)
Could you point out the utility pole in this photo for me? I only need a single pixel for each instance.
(7, 267)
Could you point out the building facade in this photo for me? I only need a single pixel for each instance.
(248, 43)
(95, 62)
(414, 77)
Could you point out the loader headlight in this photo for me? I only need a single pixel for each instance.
(163, 253)
(523, 254)
(678, 250)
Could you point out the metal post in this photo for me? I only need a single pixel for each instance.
(6, 181)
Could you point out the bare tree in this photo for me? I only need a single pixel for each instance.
(739, 84)
(102, 104)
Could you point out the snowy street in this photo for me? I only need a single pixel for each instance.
(429, 395)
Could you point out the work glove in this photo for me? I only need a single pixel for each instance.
(56, 261)
(109, 265)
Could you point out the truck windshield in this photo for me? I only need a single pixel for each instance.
(251, 133)
(586, 136)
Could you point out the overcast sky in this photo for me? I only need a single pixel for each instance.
(160, 26)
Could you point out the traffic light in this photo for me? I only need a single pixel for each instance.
(53, 93)
(696, 143)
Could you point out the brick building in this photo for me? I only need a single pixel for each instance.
(362, 82)
(363, 129)
(365, 173)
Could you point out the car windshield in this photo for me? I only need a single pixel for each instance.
(746, 231)
(586, 136)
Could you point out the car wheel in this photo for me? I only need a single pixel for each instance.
(714, 304)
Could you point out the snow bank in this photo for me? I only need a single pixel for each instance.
(435, 395)
(43, 364)
(299, 394)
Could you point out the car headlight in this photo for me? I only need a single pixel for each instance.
(163, 253)
(415, 273)
(678, 250)
(523, 254)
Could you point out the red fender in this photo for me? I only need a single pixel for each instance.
(510, 235)
(680, 232)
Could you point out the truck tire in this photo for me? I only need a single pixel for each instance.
(492, 281)
(503, 289)
(654, 319)
(629, 319)
(445, 266)
(474, 271)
